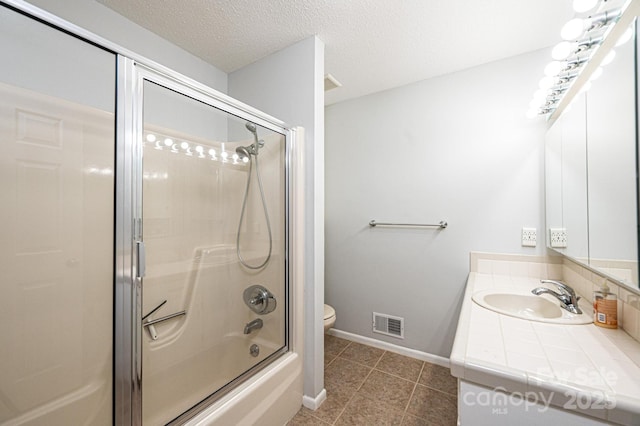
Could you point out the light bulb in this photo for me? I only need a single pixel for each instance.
(235, 157)
(199, 149)
(536, 103)
(581, 6)
(168, 142)
(151, 138)
(541, 94)
(224, 154)
(532, 113)
(573, 29)
(597, 73)
(212, 152)
(245, 159)
(608, 59)
(625, 37)
(562, 50)
(553, 68)
(184, 145)
(547, 82)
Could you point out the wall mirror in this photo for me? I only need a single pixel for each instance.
(591, 169)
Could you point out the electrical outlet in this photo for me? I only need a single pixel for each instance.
(529, 238)
(558, 237)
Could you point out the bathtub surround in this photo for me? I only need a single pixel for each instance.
(566, 372)
(456, 148)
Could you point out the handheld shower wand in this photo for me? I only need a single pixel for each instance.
(248, 152)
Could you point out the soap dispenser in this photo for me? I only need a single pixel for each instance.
(605, 308)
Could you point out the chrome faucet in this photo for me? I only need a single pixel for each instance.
(256, 324)
(567, 296)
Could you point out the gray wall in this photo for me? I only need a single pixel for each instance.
(455, 148)
(289, 85)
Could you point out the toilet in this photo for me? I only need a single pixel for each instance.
(329, 317)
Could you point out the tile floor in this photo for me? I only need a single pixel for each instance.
(370, 386)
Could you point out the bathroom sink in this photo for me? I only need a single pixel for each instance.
(529, 307)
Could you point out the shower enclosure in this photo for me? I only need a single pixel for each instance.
(145, 275)
(213, 228)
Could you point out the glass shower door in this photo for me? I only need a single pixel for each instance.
(56, 225)
(214, 294)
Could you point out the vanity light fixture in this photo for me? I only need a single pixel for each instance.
(582, 36)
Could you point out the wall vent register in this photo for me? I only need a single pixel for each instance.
(388, 325)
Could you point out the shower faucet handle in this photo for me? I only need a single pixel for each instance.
(259, 299)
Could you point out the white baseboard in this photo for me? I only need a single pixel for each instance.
(423, 356)
(314, 403)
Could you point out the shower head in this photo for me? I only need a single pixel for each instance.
(251, 127)
(255, 146)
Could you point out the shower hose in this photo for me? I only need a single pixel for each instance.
(266, 215)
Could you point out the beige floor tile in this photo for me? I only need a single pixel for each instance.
(400, 365)
(343, 376)
(439, 378)
(410, 420)
(334, 345)
(362, 354)
(437, 408)
(389, 392)
(333, 405)
(305, 418)
(364, 412)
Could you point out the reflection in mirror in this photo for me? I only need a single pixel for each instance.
(590, 172)
(611, 153)
(566, 183)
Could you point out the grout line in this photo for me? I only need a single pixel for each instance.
(379, 359)
(415, 386)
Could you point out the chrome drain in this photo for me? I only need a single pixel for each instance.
(254, 350)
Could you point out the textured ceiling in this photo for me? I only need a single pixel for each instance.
(370, 45)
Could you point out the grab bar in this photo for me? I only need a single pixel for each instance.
(149, 324)
(441, 225)
(155, 321)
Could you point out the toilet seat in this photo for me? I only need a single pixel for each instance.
(329, 312)
(329, 317)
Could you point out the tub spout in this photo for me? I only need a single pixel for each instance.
(256, 324)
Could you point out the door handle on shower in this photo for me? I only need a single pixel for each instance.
(141, 254)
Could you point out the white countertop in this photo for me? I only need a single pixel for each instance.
(577, 365)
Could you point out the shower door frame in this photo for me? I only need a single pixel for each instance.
(132, 70)
(134, 74)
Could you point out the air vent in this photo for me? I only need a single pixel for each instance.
(389, 325)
